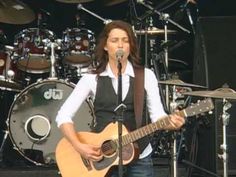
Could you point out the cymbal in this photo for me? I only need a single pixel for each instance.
(15, 12)
(74, 1)
(218, 93)
(153, 31)
(112, 2)
(178, 82)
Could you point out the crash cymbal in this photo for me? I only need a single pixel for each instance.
(15, 12)
(112, 2)
(153, 31)
(226, 93)
(74, 1)
(178, 82)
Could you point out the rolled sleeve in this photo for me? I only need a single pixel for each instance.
(154, 103)
(69, 108)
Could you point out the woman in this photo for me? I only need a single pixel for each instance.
(101, 85)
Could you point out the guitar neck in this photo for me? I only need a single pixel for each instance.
(197, 108)
(148, 129)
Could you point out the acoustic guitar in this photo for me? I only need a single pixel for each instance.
(72, 164)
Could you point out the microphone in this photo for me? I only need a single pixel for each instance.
(119, 54)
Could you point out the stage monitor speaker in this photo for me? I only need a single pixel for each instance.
(215, 52)
(214, 67)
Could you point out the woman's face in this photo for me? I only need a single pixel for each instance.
(117, 40)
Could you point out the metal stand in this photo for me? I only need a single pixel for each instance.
(119, 117)
(53, 60)
(225, 120)
(173, 106)
(165, 17)
(52, 45)
(159, 13)
(105, 21)
(2, 144)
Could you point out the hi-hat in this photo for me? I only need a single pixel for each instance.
(226, 93)
(112, 2)
(153, 31)
(178, 82)
(15, 12)
(74, 1)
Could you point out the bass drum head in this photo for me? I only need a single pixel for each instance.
(31, 119)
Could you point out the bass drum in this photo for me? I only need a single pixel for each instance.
(31, 120)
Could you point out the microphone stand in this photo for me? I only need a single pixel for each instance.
(119, 110)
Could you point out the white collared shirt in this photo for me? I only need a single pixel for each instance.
(87, 87)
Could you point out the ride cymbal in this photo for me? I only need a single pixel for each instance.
(112, 2)
(15, 12)
(178, 82)
(74, 1)
(226, 93)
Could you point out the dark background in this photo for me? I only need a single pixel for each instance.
(60, 16)
(184, 50)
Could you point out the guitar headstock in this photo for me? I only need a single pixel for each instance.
(202, 106)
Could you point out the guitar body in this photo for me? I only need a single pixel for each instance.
(71, 164)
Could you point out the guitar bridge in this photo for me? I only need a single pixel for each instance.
(87, 163)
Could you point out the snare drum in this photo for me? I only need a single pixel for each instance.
(32, 54)
(31, 120)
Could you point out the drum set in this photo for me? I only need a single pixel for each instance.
(37, 73)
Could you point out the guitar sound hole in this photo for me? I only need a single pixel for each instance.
(109, 147)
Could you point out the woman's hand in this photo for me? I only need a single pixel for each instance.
(176, 121)
(90, 152)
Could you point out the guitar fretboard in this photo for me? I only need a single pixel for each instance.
(148, 129)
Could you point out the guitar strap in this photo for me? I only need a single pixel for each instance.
(138, 94)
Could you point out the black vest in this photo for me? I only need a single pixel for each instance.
(105, 103)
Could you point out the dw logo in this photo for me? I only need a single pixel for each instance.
(55, 94)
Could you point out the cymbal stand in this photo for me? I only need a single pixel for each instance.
(6, 133)
(53, 60)
(173, 106)
(52, 44)
(159, 13)
(105, 21)
(165, 17)
(225, 120)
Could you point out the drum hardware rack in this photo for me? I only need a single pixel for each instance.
(165, 18)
